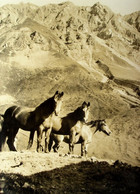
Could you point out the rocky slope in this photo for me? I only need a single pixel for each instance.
(134, 20)
(93, 56)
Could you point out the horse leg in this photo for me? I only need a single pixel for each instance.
(56, 146)
(39, 138)
(30, 143)
(50, 142)
(71, 144)
(71, 148)
(11, 138)
(86, 152)
(47, 139)
(84, 148)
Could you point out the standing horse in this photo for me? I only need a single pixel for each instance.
(28, 119)
(65, 125)
(84, 137)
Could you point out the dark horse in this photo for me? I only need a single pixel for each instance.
(28, 119)
(65, 125)
(84, 137)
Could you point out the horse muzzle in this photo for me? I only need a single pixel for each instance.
(108, 133)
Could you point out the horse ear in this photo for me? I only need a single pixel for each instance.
(56, 92)
(88, 104)
(62, 93)
(84, 103)
(56, 96)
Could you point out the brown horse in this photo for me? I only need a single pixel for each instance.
(84, 137)
(28, 119)
(65, 125)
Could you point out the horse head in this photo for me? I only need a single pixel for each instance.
(101, 125)
(58, 98)
(86, 108)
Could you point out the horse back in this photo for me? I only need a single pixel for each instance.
(9, 111)
(24, 116)
(18, 116)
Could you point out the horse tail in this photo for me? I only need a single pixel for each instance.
(3, 134)
(4, 127)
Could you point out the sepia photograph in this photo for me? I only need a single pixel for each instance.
(69, 96)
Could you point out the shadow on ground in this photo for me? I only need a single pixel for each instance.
(85, 177)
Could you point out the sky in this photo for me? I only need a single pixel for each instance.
(118, 6)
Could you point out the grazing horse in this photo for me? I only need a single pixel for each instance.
(65, 125)
(83, 138)
(28, 119)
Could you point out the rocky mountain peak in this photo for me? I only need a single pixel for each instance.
(79, 32)
(98, 7)
(134, 20)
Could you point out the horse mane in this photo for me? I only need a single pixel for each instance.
(93, 123)
(76, 115)
(47, 107)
